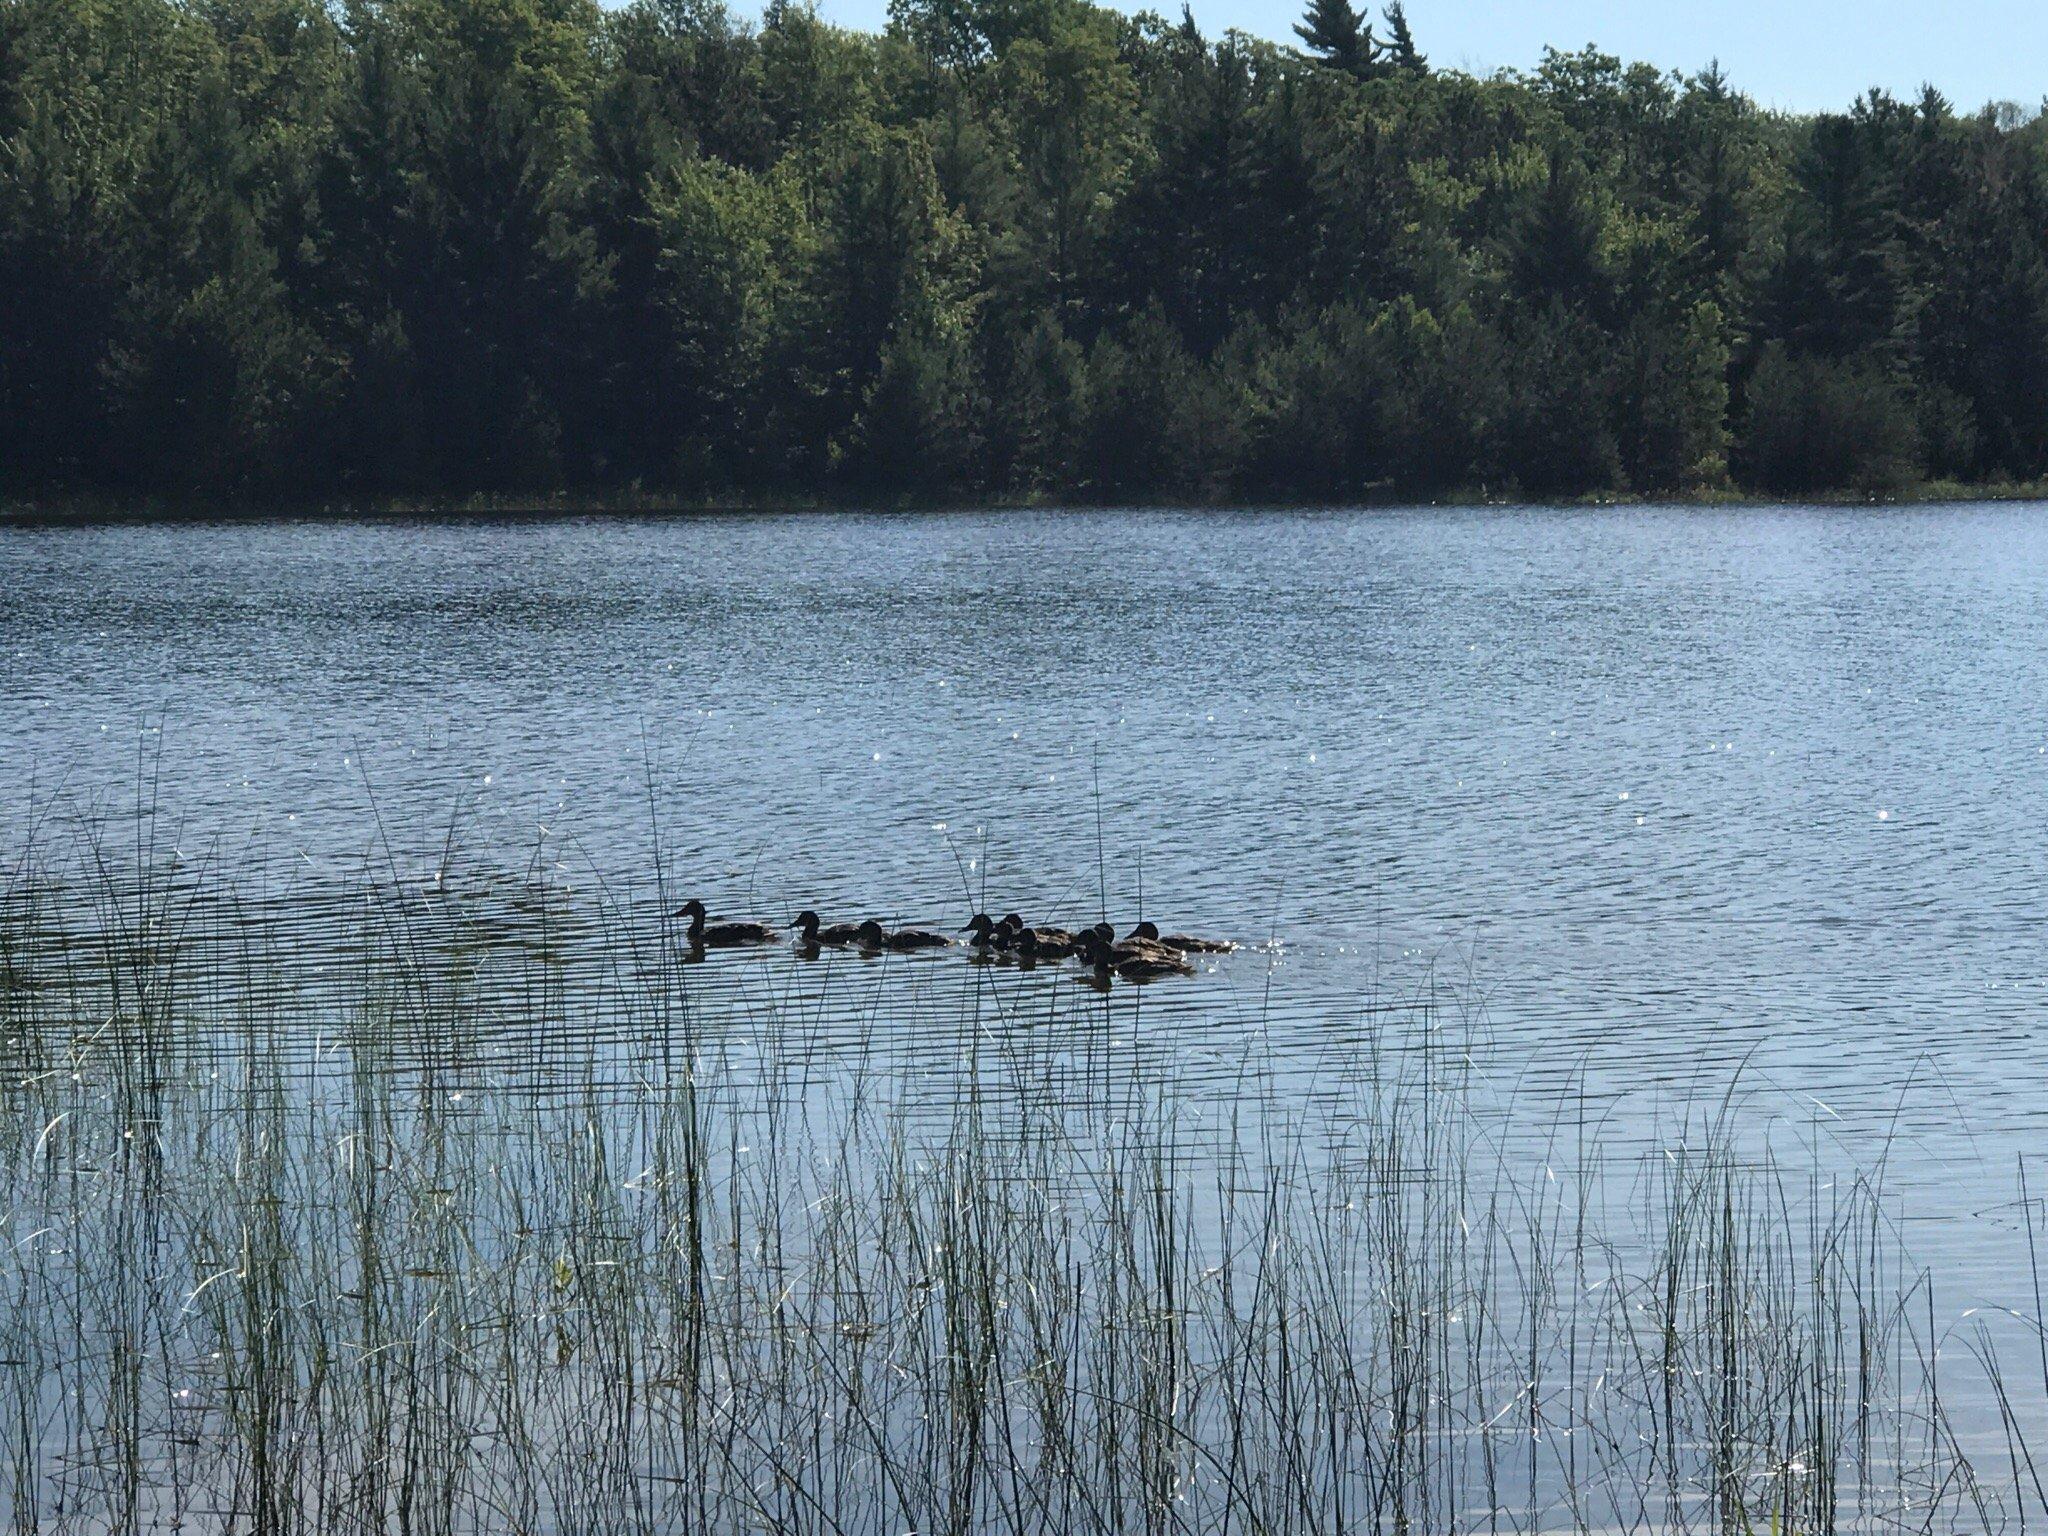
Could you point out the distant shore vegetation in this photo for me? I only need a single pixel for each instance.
(1014, 249)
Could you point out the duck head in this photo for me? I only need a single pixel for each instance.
(980, 925)
(1145, 930)
(1105, 932)
(1092, 948)
(871, 934)
(807, 924)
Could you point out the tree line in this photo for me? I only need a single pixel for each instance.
(1002, 248)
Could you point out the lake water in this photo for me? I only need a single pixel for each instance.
(1661, 804)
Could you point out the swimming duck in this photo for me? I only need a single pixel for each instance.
(1184, 943)
(1046, 935)
(1133, 947)
(721, 935)
(1144, 964)
(1050, 944)
(810, 932)
(993, 940)
(990, 944)
(872, 935)
(988, 934)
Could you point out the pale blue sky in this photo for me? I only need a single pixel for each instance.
(1802, 54)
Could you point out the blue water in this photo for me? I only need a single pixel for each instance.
(1663, 800)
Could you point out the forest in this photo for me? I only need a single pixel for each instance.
(1002, 249)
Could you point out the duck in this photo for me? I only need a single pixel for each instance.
(988, 933)
(721, 935)
(1046, 935)
(1134, 947)
(991, 944)
(873, 935)
(1185, 943)
(1131, 964)
(812, 931)
(1036, 944)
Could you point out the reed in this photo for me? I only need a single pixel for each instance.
(377, 1208)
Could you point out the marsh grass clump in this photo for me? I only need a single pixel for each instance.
(376, 1209)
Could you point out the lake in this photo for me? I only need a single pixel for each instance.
(1649, 808)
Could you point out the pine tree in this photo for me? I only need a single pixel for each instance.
(1401, 45)
(1336, 33)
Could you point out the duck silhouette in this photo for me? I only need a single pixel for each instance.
(704, 935)
(1035, 945)
(813, 931)
(873, 936)
(1145, 963)
(1183, 942)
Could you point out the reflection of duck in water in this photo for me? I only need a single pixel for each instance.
(811, 931)
(1185, 943)
(721, 935)
(1132, 963)
(873, 936)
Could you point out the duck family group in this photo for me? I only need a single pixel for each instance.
(1143, 954)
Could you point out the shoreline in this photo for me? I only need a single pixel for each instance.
(98, 510)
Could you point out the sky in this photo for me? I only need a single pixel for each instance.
(1802, 55)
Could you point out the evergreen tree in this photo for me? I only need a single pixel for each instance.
(393, 247)
(1555, 252)
(1339, 35)
(1401, 49)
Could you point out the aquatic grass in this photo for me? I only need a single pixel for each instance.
(380, 1208)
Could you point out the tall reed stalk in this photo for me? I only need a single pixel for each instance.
(477, 1209)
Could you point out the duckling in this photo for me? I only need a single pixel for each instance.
(1183, 943)
(1049, 944)
(721, 935)
(1134, 947)
(1046, 935)
(992, 943)
(1093, 953)
(987, 933)
(811, 933)
(873, 936)
(1130, 964)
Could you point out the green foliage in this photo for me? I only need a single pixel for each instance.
(732, 248)
(1401, 49)
(1819, 423)
(1042, 385)
(1009, 247)
(1334, 31)
(1141, 435)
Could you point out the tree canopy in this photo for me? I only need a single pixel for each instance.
(1002, 248)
